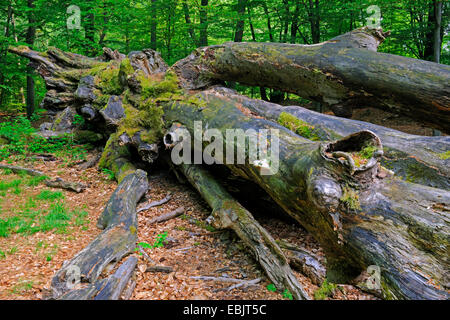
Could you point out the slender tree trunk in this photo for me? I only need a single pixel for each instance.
(104, 27)
(437, 31)
(204, 23)
(287, 19)
(190, 27)
(240, 24)
(294, 25)
(314, 19)
(153, 25)
(269, 23)
(252, 28)
(90, 30)
(30, 38)
(4, 51)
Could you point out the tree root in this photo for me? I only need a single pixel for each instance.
(229, 214)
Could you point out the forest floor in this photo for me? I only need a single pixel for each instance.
(29, 260)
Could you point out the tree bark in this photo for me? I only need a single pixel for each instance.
(203, 23)
(118, 239)
(413, 158)
(383, 225)
(437, 43)
(339, 73)
(30, 38)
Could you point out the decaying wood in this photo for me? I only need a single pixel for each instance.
(155, 203)
(119, 221)
(305, 262)
(342, 205)
(118, 281)
(52, 183)
(167, 216)
(229, 214)
(92, 162)
(414, 158)
(337, 73)
(162, 269)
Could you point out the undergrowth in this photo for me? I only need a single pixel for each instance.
(18, 138)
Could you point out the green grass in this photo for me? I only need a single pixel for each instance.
(29, 221)
(22, 287)
(50, 195)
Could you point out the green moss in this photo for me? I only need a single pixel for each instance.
(106, 77)
(125, 67)
(367, 152)
(325, 291)
(445, 155)
(125, 170)
(165, 89)
(298, 126)
(86, 136)
(112, 152)
(351, 199)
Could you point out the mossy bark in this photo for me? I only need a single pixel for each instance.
(119, 221)
(310, 186)
(414, 158)
(337, 73)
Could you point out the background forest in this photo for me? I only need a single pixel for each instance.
(176, 27)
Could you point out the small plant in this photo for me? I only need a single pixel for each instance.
(325, 291)
(160, 238)
(287, 295)
(2, 255)
(78, 120)
(22, 287)
(159, 242)
(351, 199)
(7, 171)
(110, 174)
(12, 250)
(35, 181)
(271, 287)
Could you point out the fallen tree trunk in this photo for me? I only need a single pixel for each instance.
(358, 217)
(339, 73)
(414, 158)
(229, 214)
(118, 239)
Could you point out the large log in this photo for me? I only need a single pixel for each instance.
(339, 73)
(229, 214)
(414, 158)
(119, 221)
(359, 216)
